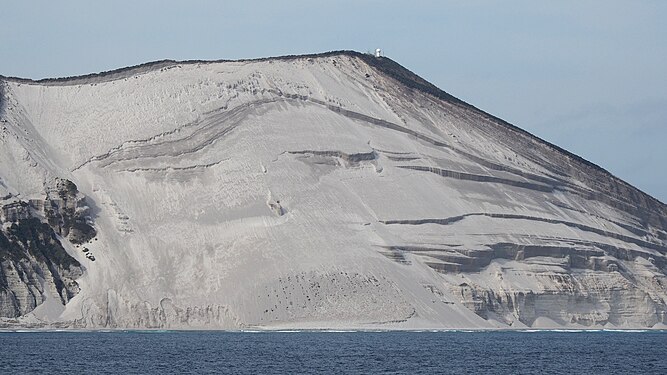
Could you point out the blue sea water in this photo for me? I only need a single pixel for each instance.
(137, 352)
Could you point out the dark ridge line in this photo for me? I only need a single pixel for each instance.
(412, 80)
(463, 176)
(349, 158)
(136, 144)
(157, 64)
(630, 228)
(463, 260)
(390, 152)
(383, 64)
(579, 258)
(3, 102)
(551, 183)
(190, 167)
(620, 253)
(402, 158)
(396, 256)
(550, 187)
(431, 140)
(450, 220)
(229, 113)
(603, 197)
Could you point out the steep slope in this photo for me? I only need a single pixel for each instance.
(331, 190)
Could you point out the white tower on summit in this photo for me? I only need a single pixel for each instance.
(378, 52)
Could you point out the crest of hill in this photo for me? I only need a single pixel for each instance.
(383, 64)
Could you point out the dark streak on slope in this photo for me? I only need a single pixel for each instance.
(3, 103)
(351, 159)
(630, 228)
(591, 256)
(647, 214)
(656, 212)
(176, 169)
(209, 132)
(480, 178)
(411, 80)
(583, 227)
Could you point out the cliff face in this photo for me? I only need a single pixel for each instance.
(333, 190)
(34, 267)
(67, 212)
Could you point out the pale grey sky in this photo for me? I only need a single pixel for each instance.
(589, 76)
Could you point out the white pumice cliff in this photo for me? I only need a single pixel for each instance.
(336, 190)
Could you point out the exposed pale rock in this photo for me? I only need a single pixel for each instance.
(332, 190)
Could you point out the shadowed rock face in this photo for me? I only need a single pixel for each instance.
(67, 213)
(34, 267)
(322, 191)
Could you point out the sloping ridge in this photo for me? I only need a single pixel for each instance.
(412, 80)
(656, 210)
(383, 64)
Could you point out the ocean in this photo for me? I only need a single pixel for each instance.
(294, 352)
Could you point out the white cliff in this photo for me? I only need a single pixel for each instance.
(324, 191)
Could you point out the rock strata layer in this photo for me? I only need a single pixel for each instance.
(320, 191)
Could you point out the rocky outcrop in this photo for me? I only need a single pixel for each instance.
(34, 267)
(67, 213)
(566, 296)
(15, 211)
